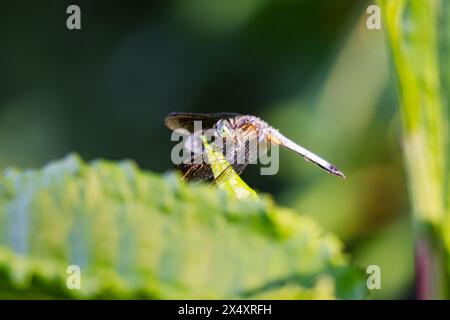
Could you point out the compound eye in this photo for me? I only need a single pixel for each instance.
(223, 129)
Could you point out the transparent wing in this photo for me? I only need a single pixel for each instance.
(239, 151)
(176, 120)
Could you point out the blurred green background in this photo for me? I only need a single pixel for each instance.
(310, 68)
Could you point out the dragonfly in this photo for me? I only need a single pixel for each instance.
(246, 132)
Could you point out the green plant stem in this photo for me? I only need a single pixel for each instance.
(413, 35)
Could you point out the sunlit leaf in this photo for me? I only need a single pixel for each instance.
(135, 234)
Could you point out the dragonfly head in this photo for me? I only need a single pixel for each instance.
(224, 129)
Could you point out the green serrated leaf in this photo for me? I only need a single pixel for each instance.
(135, 234)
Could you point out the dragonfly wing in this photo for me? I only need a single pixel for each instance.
(196, 172)
(176, 120)
(238, 154)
